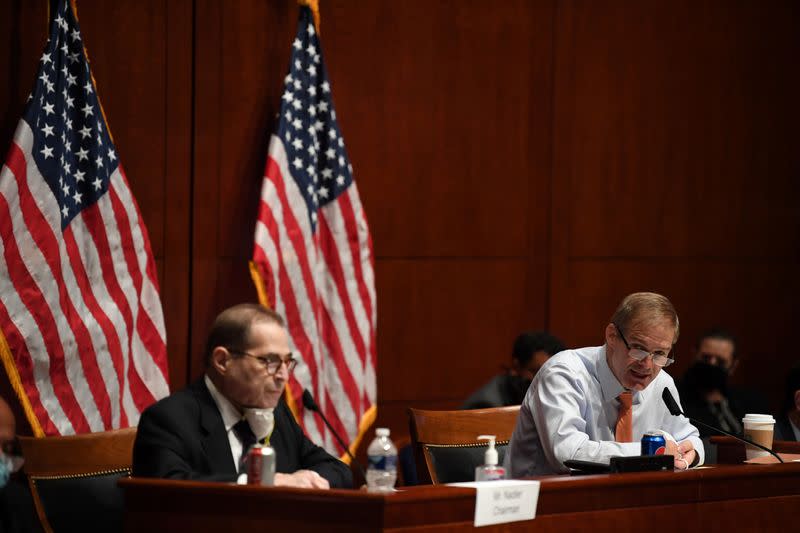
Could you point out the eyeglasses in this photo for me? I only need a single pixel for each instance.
(659, 358)
(271, 362)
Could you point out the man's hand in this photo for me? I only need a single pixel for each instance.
(683, 453)
(306, 479)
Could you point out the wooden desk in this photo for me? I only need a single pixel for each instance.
(739, 498)
(731, 451)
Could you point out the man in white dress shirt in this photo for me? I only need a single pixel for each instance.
(571, 409)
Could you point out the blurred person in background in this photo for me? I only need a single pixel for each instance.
(529, 353)
(705, 389)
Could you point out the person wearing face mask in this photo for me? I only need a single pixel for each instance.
(204, 431)
(591, 404)
(529, 353)
(706, 391)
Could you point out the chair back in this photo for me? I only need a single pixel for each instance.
(445, 442)
(73, 479)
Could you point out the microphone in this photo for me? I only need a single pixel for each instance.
(674, 410)
(311, 405)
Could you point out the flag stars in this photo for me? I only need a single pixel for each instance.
(88, 87)
(326, 87)
(297, 124)
(79, 175)
(312, 70)
(297, 85)
(76, 35)
(87, 110)
(65, 49)
(111, 155)
(297, 44)
(65, 211)
(298, 144)
(47, 130)
(98, 183)
(297, 64)
(65, 71)
(73, 57)
(50, 86)
(327, 173)
(71, 80)
(46, 58)
(340, 180)
(312, 91)
(77, 197)
(98, 162)
(288, 96)
(311, 29)
(311, 50)
(297, 105)
(82, 154)
(298, 163)
(85, 131)
(47, 152)
(330, 153)
(70, 101)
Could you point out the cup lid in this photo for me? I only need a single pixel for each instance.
(753, 417)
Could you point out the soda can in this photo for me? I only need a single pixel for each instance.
(653, 443)
(261, 465)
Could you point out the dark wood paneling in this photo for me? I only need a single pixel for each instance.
(675, 170)
(434, 103)
(23, 32)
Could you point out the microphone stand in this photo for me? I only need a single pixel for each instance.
(748, 441)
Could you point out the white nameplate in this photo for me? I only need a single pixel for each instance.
(498, 502)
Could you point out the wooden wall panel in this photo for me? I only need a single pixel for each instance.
(676, 169)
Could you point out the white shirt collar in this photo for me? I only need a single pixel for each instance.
(230, 414)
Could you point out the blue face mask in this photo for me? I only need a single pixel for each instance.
(8, 465)
(5, 469)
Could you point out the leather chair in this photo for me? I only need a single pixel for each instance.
(445, 442)
(73, 479)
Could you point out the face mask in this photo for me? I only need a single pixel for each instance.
(8, 465)
(262, 421)
(706, 377)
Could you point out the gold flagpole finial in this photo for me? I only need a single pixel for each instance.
(314, 6)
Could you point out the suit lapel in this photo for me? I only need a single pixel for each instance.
(214, 438)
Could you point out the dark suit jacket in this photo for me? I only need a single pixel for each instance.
(783, 429)
(741, 401)
(183, 437)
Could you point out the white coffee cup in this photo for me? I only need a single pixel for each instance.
(758, 428)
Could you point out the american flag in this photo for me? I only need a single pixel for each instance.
(79, 306)
(313, 252)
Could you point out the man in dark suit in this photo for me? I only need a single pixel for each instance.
(203, 431)
(706, 393)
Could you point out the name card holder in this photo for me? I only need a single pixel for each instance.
(499, 502)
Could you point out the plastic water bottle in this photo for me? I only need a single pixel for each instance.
(382, 468)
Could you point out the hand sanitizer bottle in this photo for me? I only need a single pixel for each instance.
(489, 471)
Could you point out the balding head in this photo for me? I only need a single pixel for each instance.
(231, 328)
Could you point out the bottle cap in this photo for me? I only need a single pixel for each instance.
(382, 432)
(490, 457)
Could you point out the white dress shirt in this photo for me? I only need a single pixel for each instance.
(570, 412)
(230, 416)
